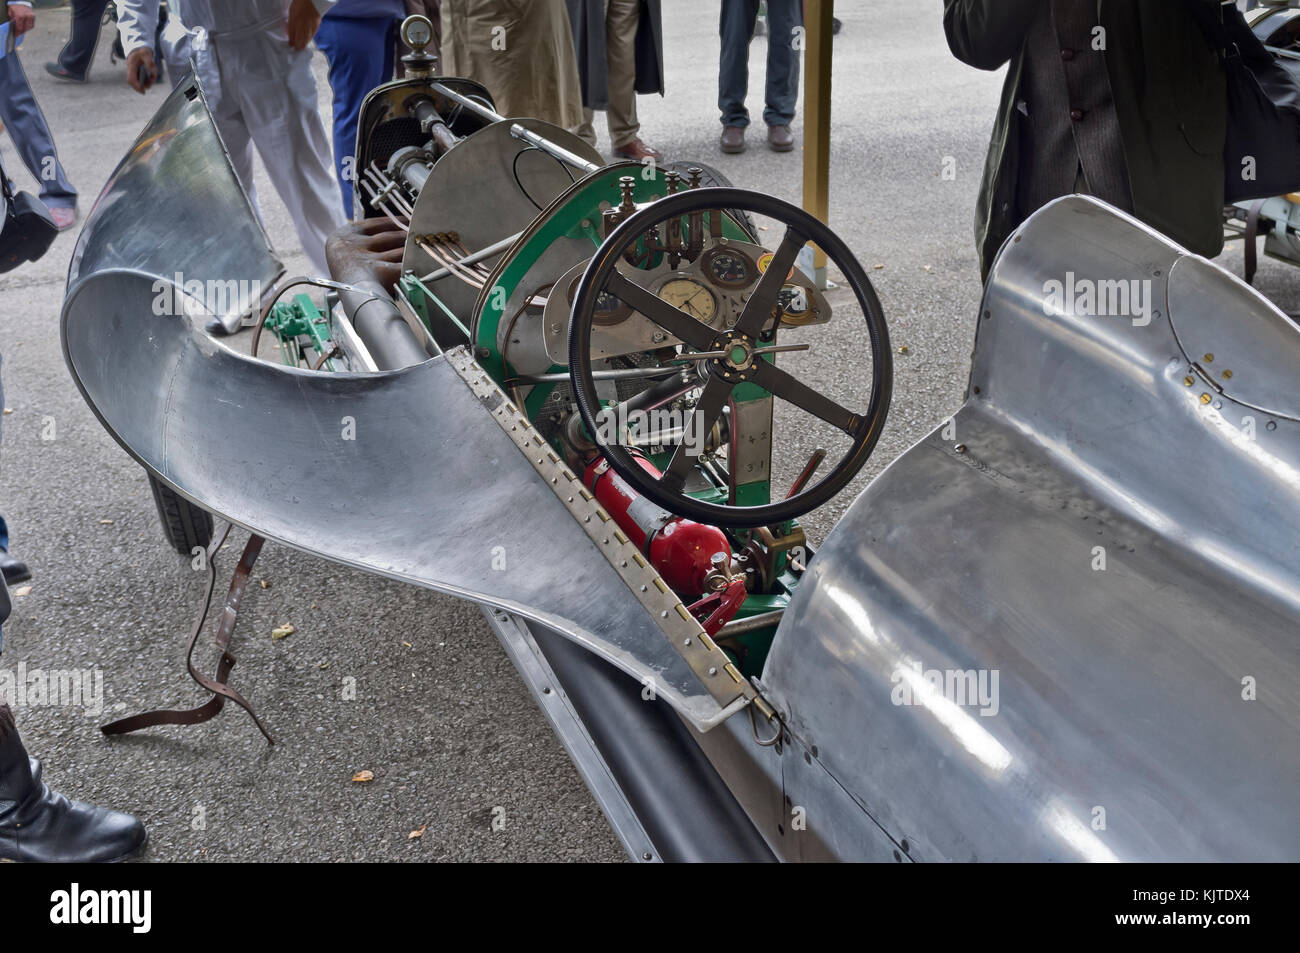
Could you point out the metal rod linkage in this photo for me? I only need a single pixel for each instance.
(551, 149)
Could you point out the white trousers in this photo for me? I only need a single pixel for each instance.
(262, 93)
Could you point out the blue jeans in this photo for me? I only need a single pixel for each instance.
(31, 135)
(360, 51)
(737, 29)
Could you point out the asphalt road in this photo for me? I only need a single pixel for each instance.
(440, 717)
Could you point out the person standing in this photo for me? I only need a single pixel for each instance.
(781, 91)
(359, 38)
(254, 63)
(619, 45)
(1122, 99)
(26, 123)
(37, 824)
(522, 53)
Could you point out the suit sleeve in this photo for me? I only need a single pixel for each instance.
(987, 33)
(137, 21)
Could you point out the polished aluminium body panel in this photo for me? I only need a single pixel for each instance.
(404, 473)
(1110, 527)
(422, 485)
(173, 206)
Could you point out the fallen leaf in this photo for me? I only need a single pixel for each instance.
(283, 631)
(265, 584)
(323, 665)
(418, 832)
(903, 349)
(362, 776)
(22, 590)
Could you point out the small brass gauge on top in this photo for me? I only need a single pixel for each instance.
(690, 296)
(417, 32)
(795, 303)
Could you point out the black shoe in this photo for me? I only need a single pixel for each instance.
(38, 825)
(15, 570)
(59, 71)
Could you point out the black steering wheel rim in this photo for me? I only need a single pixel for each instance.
(798, 222)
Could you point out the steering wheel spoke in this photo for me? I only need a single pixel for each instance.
(762, 301)
(704, 415)
(673, 320)
(788, 387)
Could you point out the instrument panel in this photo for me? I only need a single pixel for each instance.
(712, 289)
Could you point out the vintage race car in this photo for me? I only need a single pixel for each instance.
(1063, 626)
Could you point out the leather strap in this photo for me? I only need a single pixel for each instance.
(225, 630)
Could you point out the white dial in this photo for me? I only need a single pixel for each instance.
(417, 31)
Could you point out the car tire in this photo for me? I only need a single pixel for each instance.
(185, 525)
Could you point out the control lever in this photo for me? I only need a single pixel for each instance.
(721, 607)
(808, 470)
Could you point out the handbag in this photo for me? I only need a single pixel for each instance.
(1261, 154)
(27, 231)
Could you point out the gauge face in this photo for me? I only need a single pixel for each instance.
(728, 268)
(793, 301)
(417, 31)
(690, 296)
(609, 309)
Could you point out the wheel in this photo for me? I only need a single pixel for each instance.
(728, 357)
(184, 524)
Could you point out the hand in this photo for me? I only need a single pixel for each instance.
(139, 61)
(23, 18)
(304, 18)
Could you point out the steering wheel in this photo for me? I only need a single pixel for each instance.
(736, 355)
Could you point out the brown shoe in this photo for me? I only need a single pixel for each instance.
(780, 138)
(638, 150)
(733, 139)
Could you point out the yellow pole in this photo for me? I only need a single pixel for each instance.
(817, 117)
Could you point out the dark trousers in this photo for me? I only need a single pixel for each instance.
(4, 542)
(31, 135)
(87, 18)
(737, 29)
(361, 53)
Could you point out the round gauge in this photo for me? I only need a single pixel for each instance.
(417, 31)
(728, 268)
(690, 296)
(794, 302)
(609, 309)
